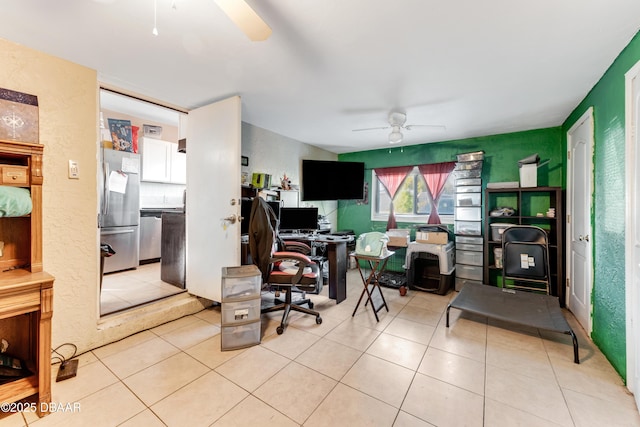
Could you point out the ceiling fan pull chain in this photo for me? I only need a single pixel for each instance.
(155, 18)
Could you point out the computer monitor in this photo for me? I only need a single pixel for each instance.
(298, 219)
(245, 212)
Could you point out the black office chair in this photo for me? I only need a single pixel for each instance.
(305, 249)
(282, 271)
(525, 258)
(293, 272)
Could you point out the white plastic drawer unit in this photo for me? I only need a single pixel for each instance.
(468, 214)
(469, 189)
(470, 240)
(240, 336)
(471, 272)
(238, 282)
(469, 247)
(468, 173)
(469, 228)
(242, 311)
(468, 257)
(468, 181)
(468, 199)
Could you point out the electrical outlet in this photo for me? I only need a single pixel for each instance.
(74, 173)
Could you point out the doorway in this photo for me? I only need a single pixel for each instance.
(632, 242)
(135, 280)
(211, 230)
(578, 226)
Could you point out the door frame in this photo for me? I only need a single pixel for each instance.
(632, 226)
(569, 212)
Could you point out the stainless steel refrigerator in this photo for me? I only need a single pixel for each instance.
(119, 217)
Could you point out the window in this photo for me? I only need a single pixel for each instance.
(412, 202)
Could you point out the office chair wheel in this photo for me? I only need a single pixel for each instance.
(280, 330)
(318, 320)
(310, 305)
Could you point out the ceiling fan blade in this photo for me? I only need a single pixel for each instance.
(434, 127)
(359, 130)
(246, 19)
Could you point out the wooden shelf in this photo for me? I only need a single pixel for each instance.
(26, 291)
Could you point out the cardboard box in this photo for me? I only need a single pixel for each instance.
(398, 237)
(529, 175)
(432, 237)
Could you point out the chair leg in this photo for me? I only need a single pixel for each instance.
(288, 306)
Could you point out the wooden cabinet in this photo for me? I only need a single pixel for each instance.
(161, 161)
(26, 292)
(528, 204)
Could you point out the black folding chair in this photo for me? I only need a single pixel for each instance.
(525, 257)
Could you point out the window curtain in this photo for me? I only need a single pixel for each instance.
(391, 179)
(436, 175)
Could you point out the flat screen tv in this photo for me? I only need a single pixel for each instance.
(332, 180)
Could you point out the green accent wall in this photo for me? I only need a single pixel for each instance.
(608, 216)
(501, 155)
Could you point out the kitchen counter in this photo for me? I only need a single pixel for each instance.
(158, 211)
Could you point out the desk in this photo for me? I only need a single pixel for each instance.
(377, 265)
(337, 256)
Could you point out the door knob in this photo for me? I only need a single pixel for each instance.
(231, 219)
(586, 237)
(581, 237)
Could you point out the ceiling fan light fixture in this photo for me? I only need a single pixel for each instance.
(397, 118)
(395, 136)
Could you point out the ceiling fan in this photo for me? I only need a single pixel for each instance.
(397, 120)
(245, 18)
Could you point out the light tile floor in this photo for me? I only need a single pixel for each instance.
(406, 370)
(127, 289)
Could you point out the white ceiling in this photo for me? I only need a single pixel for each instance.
(478, 67)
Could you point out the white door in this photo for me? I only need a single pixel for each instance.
(579, 193)
(213, 194)
(632, 244)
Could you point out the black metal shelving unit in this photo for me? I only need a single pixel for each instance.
(528, 204)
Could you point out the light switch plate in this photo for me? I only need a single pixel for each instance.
(74, 173)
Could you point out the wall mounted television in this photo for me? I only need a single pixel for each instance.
(332, 180)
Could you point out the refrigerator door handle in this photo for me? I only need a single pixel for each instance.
(105, 233)
(105, 205)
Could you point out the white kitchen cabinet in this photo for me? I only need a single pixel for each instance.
(161, 162)
(178, 166)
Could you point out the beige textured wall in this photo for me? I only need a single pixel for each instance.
(277, 155)
(68, 114)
